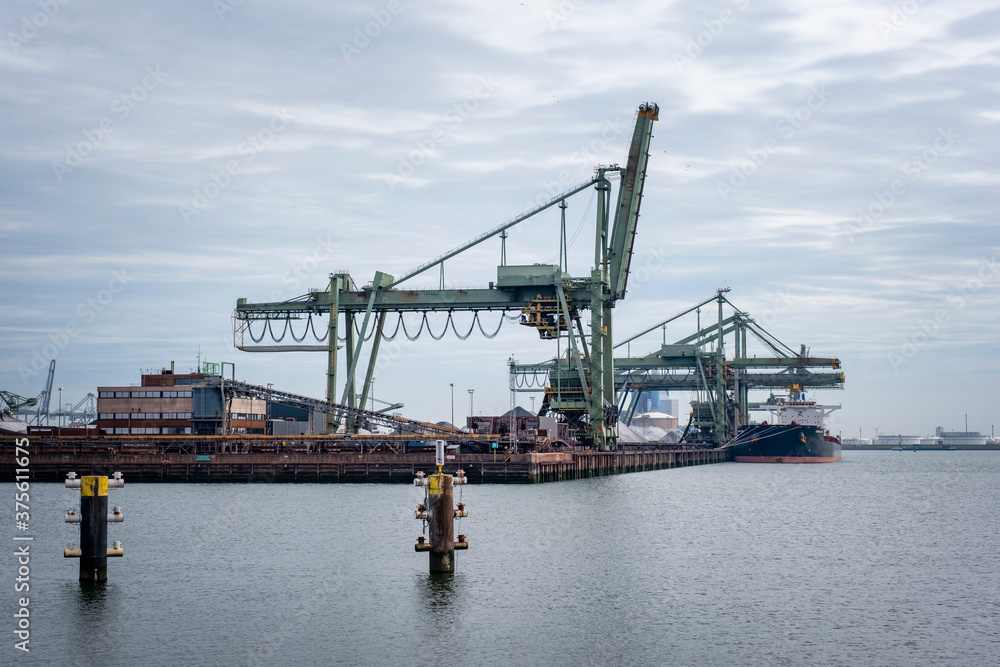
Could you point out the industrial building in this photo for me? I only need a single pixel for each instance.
(169, 403)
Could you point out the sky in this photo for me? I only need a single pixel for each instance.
(832, 163)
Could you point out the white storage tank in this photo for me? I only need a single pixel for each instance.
(905, 440)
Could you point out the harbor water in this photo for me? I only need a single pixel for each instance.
(886, 558)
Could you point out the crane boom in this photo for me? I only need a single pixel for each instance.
(46, 396)
(623, 235)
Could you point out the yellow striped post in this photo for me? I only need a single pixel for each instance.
(93, 529)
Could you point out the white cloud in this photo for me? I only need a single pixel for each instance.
(561, 84)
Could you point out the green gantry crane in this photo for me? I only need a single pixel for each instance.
(547, 297)
(696, 363)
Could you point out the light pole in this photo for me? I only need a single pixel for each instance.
(471, 412)
(532, 404)
(372, 391)
(267, 410)
(60, 408)
(226, 416)
(452, 385)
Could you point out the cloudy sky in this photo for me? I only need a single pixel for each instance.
(833, 163)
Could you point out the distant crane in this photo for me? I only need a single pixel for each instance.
(84, 411)
(11, 403)
(45, 397)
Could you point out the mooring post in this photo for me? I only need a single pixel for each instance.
(438, 512)
(94, 519)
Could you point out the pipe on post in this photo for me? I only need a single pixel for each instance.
(94, 518)
(441, 526)
(438, 512)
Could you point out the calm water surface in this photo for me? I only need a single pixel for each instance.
(887, 558)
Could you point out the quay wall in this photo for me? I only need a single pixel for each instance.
(352, 466)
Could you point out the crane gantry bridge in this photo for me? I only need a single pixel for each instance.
(543, 296)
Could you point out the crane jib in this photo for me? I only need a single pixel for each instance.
(626, 218)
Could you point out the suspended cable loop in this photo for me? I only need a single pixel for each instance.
(315, 335)
(270, 330)
(475, 318)
(256, 339)
(287, 328)
(357, 330)
(305, 331)
(443, 331)
(499, 326)
(391, 338)
(407, 333)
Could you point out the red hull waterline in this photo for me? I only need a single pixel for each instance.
(786, 459)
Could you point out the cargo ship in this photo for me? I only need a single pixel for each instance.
(796, 434)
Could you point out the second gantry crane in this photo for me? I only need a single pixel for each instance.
(695, 363)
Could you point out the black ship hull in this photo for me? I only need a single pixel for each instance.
(784, 443)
